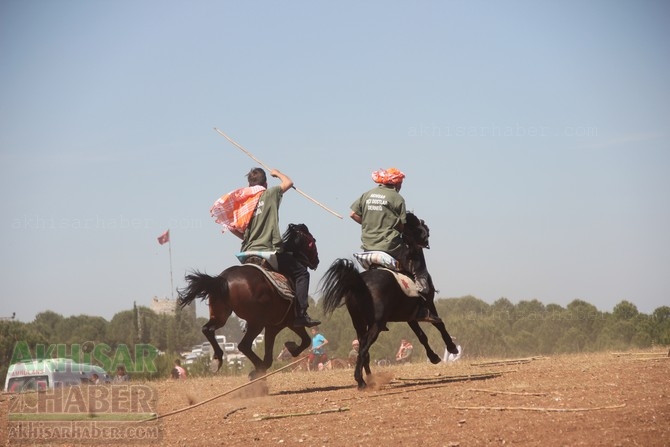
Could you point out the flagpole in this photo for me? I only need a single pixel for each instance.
(170, 251)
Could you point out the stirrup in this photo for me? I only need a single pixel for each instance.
(305, 321)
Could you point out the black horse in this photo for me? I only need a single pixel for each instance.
(374, 298)
(246, 290)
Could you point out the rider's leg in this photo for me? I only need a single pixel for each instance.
(290, 267)
(424, 282)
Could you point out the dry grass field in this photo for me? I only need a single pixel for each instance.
(591, 399)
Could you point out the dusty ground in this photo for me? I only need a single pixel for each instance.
(598, 399)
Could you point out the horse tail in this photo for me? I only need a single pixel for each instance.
(200, 285)
(341, 279)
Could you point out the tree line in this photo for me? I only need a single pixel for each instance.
(501, 329)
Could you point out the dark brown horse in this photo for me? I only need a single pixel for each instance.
(245, 290)
(374, 298)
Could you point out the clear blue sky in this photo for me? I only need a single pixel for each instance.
(534, 136)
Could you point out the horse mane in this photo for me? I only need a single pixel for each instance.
(299, 241)
(416, 231)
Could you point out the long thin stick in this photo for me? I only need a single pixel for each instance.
(555, 410)
(237, 145)
(306, 413)
(508, 362)
(171, 283)
(181, 410)
(513, 393)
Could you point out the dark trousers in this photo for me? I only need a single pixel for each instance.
(291, 268)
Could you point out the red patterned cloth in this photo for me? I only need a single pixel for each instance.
(235, 209)
(390, 176)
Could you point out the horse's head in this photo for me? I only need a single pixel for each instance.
(416, 232)
(298, 240)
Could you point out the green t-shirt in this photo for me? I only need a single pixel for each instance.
(381, 209)
(263, 233)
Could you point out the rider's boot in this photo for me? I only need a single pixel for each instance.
(427, 292)
(304, 320)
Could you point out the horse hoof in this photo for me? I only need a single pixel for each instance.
(452, 349)
(253, 375)
(362, 385)
(293, 348)
(434, 359)
(215, 366)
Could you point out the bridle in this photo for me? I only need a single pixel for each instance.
(300, 241)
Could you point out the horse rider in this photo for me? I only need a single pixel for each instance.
(252, 214)
(382, 215)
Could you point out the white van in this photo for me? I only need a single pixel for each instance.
(39, 375)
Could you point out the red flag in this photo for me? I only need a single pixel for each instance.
(164, 238)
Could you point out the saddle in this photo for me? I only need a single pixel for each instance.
(280, 282)
(383, 261)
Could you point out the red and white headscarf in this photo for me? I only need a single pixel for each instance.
(235, 209)
(390, 176)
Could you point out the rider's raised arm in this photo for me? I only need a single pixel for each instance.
(286, 182)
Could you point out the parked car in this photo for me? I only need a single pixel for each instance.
(230, 348)
(40, 375)
(191, 358)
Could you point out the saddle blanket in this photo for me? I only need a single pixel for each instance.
(406, 283)
(269, 256)
(277, 279)
(382, 260)
(368, 259)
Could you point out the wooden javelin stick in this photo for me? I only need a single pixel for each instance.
(190, 407)
(234, 143)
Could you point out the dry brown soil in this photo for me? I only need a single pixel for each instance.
(591, 400)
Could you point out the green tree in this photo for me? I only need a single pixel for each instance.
(625, 310)
(12, 332)
(45, 324)
(121, 330)
(80, 329)
(661, 325)
(573, 340)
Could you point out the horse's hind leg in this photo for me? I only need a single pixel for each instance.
(218, 316)
(363, 361)
(270, 335)
(421, 335)
(246, 347)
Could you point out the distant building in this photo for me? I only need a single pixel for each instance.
(167, 306)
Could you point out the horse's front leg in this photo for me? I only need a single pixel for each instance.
(294, 348)
(451, 346)
(421, 335)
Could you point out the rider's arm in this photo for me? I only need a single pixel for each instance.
(356, 217)
(286, 182)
